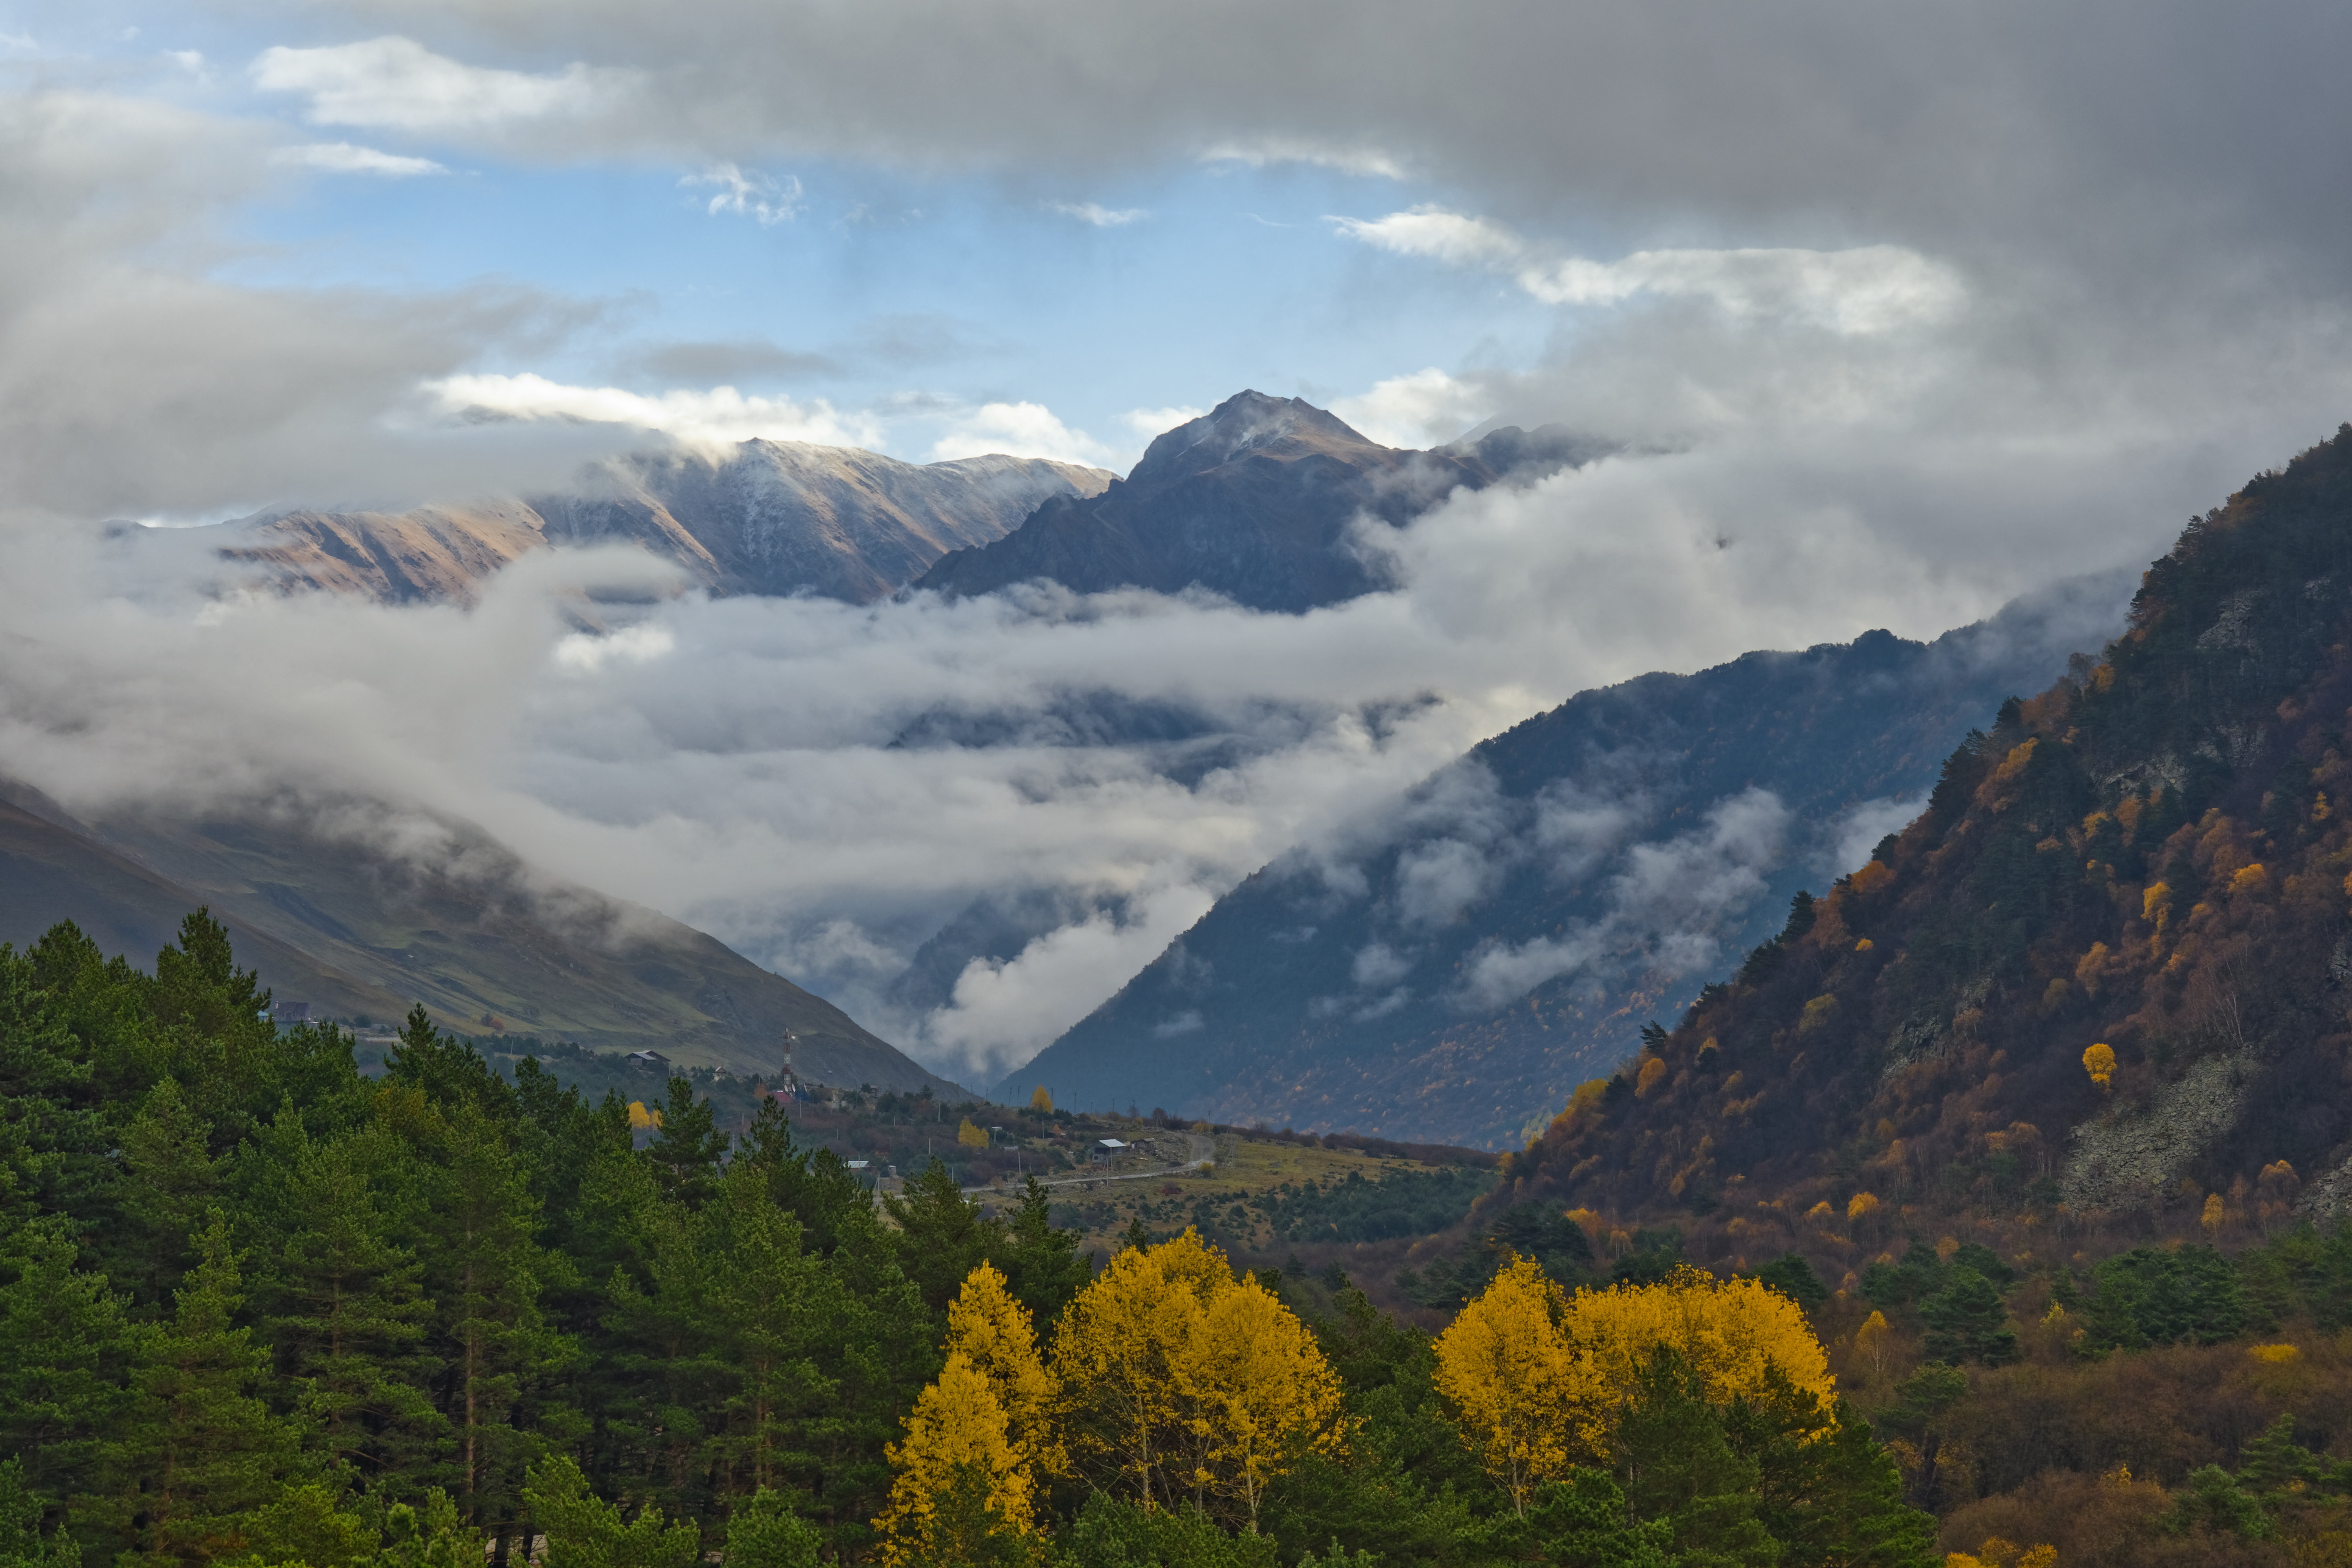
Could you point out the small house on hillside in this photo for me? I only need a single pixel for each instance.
(646, 1061)
(1107, 1150)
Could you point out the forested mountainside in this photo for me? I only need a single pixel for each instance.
(1453, 968)
(2099, 986)
(1253, 500)
(357, 929)
(772, 516)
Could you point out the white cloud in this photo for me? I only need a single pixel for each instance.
(1861, 828)
(1016, 430)
(753, 194)
(1149, 422)
(346, 158)
(1865, 290)
(1004, 1013)
(1669, 904)
(720, 416)
(1348, 158)
(1427, 408)
(1097, 214)
(1377, 966)
(586, 654)
(396, 83)
(1440, 235)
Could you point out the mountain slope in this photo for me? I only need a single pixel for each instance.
(2151, 856)
(771, 517)
(1253, 501)
(1453, 970)
(459, 924)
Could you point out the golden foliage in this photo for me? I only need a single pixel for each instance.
(1039, 1100)
(2274, 1354)
(1860, 1204)
(1998, 1553)
(2215, 1215)
(1863, 945)
(971, 1135)
(2249, 878)
(1515, 1380)
(1654, 1072)
(994, 1333)
(640, 1119)
(957, 1424)
(1821, 1213)
(2153, 900)
(1174, 1377)
(2099, 1061)
(1870, 1342)
(1256, 1390)
(1870, 878)
(1727, 1331)
(1819, 1012)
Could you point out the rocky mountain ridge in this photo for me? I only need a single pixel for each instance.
(1256, 501)
(770, 517)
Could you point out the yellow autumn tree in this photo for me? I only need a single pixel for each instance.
(1040, 1100)
(958, 1453)
(1729, 1332)
(1513, 1379)
(971, 1135)
(1870, 1341)
(994, 1333)
(1174, 1380)
(2099, 1061)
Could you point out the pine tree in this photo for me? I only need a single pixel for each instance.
(52, 1141)
(688, 1151)
(169, 1182)
(1965, 1322)
(201, 1449)
(765, 1532)
(1042, 1264)
(23, 1543)
(1583, 1522)
(1676, 1464)
(942, 1235)
(769, 1302)
(64, 1344)
(485, 1269)
(345, 1312)
(585, 1532)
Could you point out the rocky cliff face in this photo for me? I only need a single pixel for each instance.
(772, 517)
(1253, 501)
(1450, 970)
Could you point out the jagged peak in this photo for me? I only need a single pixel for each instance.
(1246, 422)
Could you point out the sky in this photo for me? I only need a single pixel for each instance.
(1892, 313)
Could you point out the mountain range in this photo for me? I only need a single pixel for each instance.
(768, 516)
(354, 928)
(1256, 500)
(1450, 969)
